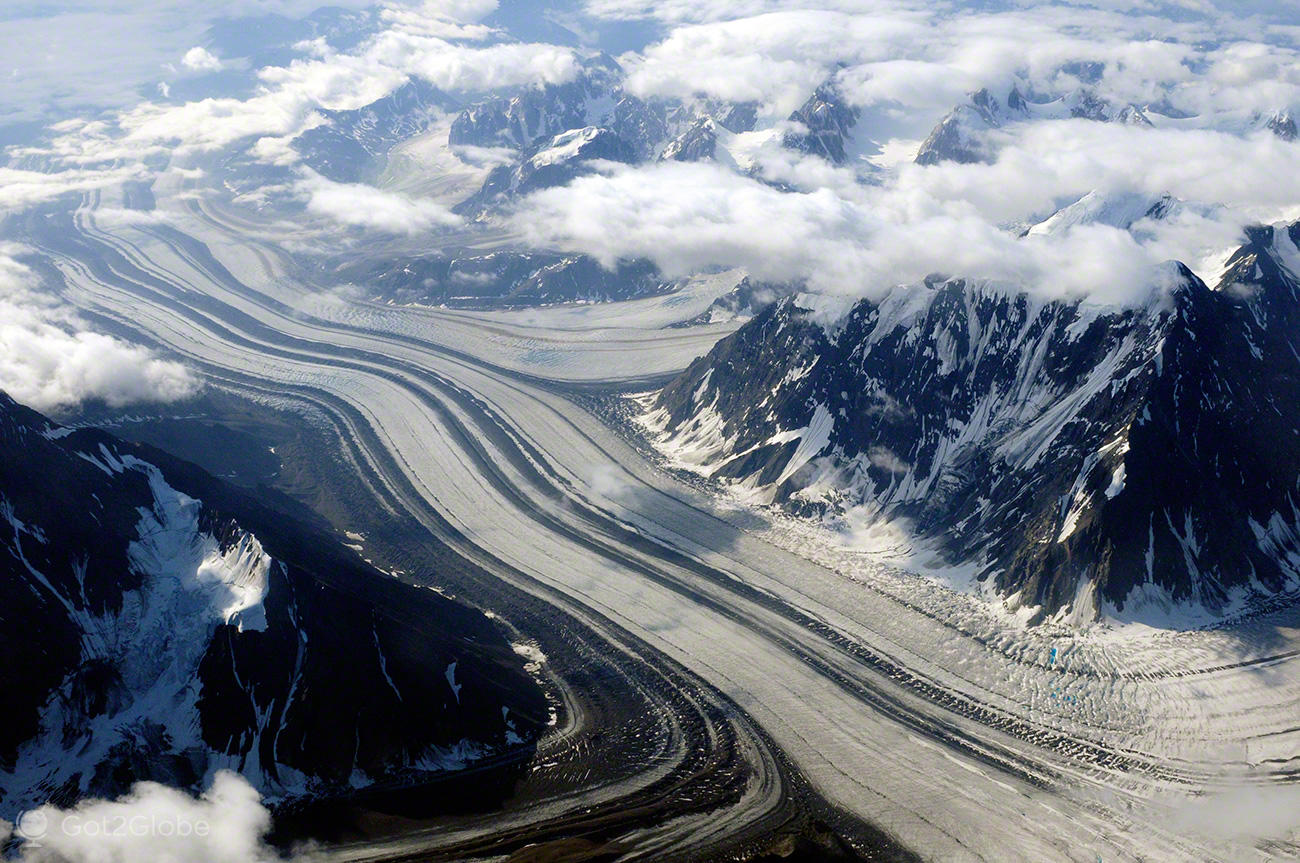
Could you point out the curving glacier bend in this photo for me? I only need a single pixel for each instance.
(932, 714)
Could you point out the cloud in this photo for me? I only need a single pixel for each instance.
(687, 217)
(885, 459)
(200, 59)
(607, 482)
(20, 189)
(917, 56)
(428, 42)
(775, 58)
(62, 56)
(50, 361)
(914, 83)
(359, 205)
(1248, 13)
(445, 19)
(1042, 163)
(154, 824)
(863, 240)
(496, 66)
(1258, 813)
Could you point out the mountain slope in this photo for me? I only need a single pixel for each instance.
(554, 162)
(1122, 210)
(961, 135)
(161, 625)
(534, 114)
(1066, 455)
(346, 147)
(824, 123)
(501, 279)
(525, 120)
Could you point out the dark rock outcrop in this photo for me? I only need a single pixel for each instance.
(826, 122)
(161, 625)
(1066, 453)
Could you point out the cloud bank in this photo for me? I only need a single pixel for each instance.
(359, 205)
(63, 56)
(200, 59)
(1214, 70)
(688, 217)
(436, 41)
(153, 824)
(50, 361)
(912, 56)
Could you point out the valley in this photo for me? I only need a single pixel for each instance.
(921, 712)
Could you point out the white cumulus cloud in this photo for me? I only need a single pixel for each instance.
(51, 361)
(856, 241)
(153, 824)
(359, 205)
(200, 59)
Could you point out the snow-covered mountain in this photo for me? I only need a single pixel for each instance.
(1122, 210)
(346, 147)
(500, 279)
(1068, 455)
(961, 135)
(546, 133)
(522, 119)
(553, 162)
(697, 143)
(161, 625)
(557, 129)
(595, 117)
(747, 299)
(823, 124)
(528, 117)
(1282, 124)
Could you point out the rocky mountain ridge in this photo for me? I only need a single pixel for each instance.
(1068, 456)
(161, 625)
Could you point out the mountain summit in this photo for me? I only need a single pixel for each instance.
(161, 625)
(1073, 457)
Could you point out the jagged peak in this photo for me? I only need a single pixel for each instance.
(1282, 124)
(982, 98)
(1133, 115)
(698, 141)
(601, 61)
(1016, 101)
(1116, 209)
(1266, 264)
(825, 101)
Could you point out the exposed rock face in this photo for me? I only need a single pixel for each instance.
(347, 147)
(535, 114)
(696, 144)
(827, 121)
(501, 279)
(1283, 125)
(961, 136)
(1065, 453)
(737, 117)
(957, 137)
(161, 625)
(554, 162)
